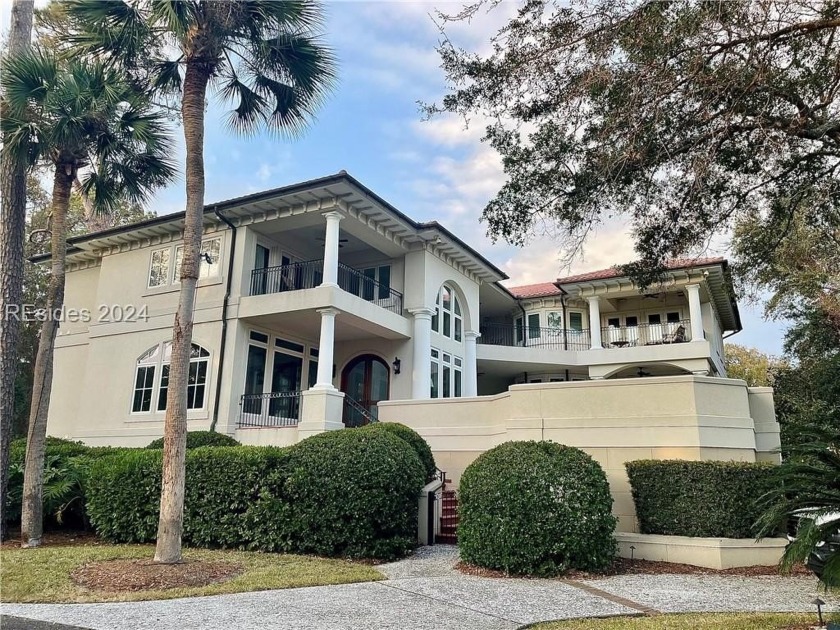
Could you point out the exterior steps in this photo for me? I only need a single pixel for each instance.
(449, 518)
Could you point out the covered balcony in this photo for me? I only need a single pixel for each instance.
(310, 274)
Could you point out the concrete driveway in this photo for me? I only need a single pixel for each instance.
(425, 593)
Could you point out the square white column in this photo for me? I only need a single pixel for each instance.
(594, 322)
(695, 313)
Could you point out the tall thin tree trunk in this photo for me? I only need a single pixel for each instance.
(32, 517)
(171, 521)
(12, 230)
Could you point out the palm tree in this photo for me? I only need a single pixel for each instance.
(12, 229)
(808, 492)
(75, 117)
(263, 56)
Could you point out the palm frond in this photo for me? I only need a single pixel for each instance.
(27, 79)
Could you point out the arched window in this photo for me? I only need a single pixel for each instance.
(447, 319)
(151, 381)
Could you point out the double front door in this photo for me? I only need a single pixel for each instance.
(365, 382)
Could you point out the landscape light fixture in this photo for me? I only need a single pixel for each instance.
(819, 604)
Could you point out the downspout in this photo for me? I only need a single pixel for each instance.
(223, 341)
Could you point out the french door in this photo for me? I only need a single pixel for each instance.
(365, 380)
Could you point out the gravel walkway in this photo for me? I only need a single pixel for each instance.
(425, 592)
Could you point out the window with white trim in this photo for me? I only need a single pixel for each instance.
(446, 375)
(165, 265)
(151, 380)
(448, 320)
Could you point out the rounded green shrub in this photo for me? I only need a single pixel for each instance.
(197, 439)
(354, 494)
(415, 440)
(536, 508)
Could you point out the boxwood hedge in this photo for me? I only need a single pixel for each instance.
(420, 446)
(704, 499)
(196, 439)
(536, 508)
(343, 493)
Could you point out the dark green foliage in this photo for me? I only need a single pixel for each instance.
(704, 499)
(420, 446)
(682, 117)
(536, 508)
(123, 496)
(807, 490)
(354, 493)
(343, 493)
(196, 439)
(65, 469)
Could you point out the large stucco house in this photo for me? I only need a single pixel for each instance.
(319, 302)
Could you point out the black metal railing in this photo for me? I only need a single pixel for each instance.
(356, 414)
(646, 334)
(533, 337)
(291, 277)
(310, 274)
(278, 409)
(369, 289)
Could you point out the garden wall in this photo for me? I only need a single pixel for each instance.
(615, 421)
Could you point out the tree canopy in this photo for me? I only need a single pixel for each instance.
(684, 117)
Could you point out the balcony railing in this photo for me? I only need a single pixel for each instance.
(533, 337)
(310, 274)
(278, 409)
(646, 334)
(567, 339)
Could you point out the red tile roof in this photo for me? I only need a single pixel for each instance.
(615, 272)
(543, 289)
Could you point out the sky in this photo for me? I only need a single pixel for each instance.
(371, 127)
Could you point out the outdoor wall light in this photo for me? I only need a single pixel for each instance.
(397, 363)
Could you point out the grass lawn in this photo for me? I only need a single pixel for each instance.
(704, 621)
(43, 575)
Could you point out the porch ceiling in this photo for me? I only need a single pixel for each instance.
(307, 325)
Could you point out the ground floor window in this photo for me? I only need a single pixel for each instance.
(151, 381)
(446, 375)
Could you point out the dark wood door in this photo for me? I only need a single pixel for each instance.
(366, 381)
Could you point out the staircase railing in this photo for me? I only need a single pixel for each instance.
(356, 414)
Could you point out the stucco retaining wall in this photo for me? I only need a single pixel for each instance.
(615, 421)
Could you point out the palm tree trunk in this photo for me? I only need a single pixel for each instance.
(12, 230)
(32, 517)
(170, 524)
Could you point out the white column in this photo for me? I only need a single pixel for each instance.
(594, 321)
(694, 312)
(331, 242)
(470, 367)
(421, 371)
(326, 349)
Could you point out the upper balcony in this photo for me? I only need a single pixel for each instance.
(612, 337)
(310, 274)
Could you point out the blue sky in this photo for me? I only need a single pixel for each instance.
(371, 127)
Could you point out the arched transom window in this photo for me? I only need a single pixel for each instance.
(447, 319)
(151, 380)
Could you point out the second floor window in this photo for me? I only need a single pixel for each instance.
(165, 266)
(447, 319)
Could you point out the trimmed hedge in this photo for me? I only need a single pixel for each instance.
(197, 439)
(536, 508)
(703, 499)
(342, 493)
(420, 446)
